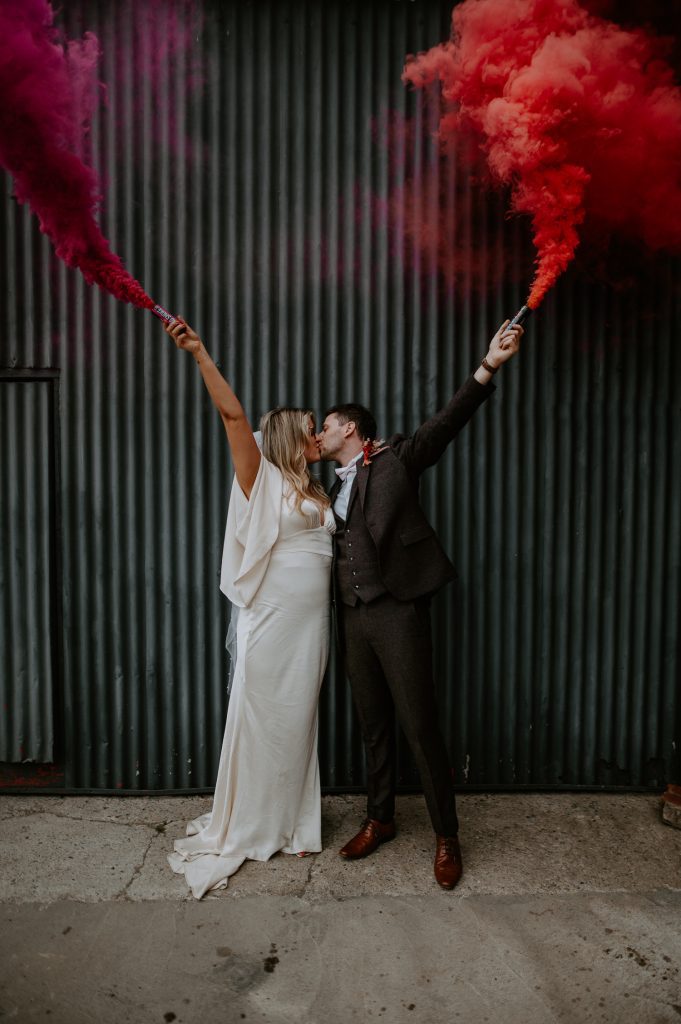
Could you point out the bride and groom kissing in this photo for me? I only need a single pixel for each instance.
(290, 550)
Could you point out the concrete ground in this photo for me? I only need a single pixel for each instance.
(569, 911)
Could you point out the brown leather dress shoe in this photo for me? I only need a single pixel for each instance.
(448, 864)
(371, 835)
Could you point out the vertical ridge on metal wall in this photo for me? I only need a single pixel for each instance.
(267, 175)
(27, 625)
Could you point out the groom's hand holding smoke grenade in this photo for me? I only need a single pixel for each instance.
(504, 344)
(502, 347)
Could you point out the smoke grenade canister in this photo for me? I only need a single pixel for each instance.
(164, 315)
(520, 317)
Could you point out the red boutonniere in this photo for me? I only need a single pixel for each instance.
(370, 448)
(367, 448)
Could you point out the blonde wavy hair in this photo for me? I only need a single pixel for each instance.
(285, 432)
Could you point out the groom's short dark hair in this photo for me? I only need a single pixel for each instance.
(351, 412)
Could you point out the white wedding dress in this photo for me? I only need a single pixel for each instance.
(276, 569)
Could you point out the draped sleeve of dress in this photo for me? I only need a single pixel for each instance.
(276, 566)
(252, 529)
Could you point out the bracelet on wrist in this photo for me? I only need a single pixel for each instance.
(486, 366)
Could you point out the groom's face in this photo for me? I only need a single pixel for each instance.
(331, 438)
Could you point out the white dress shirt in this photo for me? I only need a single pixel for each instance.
(347, 475)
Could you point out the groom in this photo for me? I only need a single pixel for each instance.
(387, 564)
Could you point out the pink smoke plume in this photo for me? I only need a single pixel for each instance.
(48, 87)
(581, 118)
(435, 202)
(163, 57)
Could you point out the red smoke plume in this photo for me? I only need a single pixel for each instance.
(47, 89)
(579, 116)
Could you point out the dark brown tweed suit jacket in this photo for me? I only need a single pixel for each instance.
(412, 561)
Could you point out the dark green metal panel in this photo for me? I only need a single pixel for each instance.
(29, 625)
(248, 186)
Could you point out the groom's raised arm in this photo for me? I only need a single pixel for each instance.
(428, 443)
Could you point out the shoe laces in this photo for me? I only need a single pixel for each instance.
(371, 825)
(449, 846)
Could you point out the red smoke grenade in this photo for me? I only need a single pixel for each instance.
(47, 89)
(581, 118)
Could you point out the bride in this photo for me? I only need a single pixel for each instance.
(276, 567)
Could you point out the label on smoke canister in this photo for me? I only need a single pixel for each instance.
(163, 314)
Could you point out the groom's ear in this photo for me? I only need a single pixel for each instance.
(350, 428)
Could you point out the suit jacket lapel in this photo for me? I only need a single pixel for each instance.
(333, 493)
(360, 485)
(353, 492)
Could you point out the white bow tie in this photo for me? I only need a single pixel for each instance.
(345, 471)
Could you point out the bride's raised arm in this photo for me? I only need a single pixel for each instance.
(245, 452)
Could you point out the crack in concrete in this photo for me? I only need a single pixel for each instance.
(19, 814)
(123, 894)
(309, 875)
(302, 892)
(76, 817)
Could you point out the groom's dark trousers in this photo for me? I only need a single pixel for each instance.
(387, 564)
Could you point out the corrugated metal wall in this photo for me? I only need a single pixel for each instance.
(261, 184)
(28, 677)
